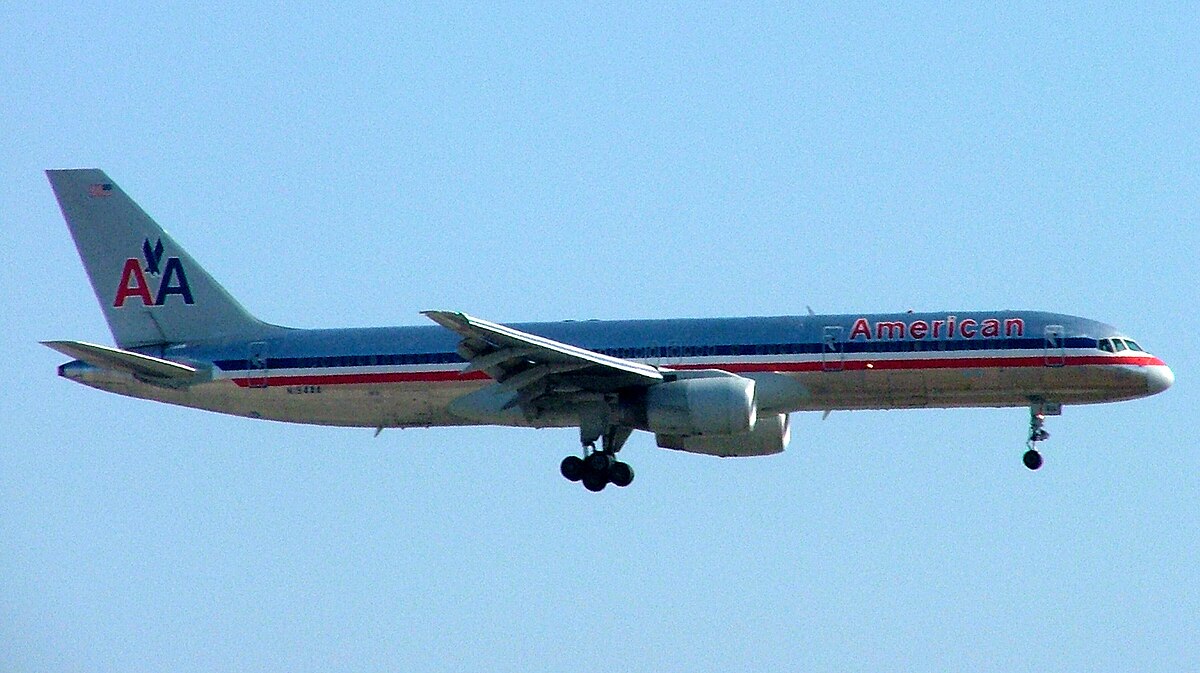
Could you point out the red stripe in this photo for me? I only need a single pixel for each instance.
(929, 363)
(339, 379)
(742, 367)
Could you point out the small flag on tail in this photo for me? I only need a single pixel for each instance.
(100, 189)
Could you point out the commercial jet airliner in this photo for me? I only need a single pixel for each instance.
(716, 386)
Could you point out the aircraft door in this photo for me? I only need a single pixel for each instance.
(832, 352)
(257, 360)
(1055, 346)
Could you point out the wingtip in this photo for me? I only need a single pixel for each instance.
(447, 319)
(434, 314)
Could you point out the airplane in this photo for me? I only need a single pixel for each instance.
(717, 386)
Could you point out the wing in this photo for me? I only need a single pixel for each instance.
(542, 379)
(533, 365)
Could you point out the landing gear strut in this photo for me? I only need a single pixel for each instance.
(598, 468)
(1037, 432)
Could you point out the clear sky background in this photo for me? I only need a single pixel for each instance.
(354, 163)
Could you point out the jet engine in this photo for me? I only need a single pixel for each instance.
(708, 405)
(769, 436)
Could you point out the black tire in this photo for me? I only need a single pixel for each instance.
(598, 463)
(1032, 459)
(572, 468)
(594, 482)
(620, 474)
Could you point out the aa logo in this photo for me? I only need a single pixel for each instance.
(170, 276)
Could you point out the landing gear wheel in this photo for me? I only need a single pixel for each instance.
(620, 474)
(598, 462)
(572, 468)
(599, 467)
(595, 481)
(1032, 459)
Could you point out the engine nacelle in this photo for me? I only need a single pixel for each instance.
(769, 436)
(717, 405)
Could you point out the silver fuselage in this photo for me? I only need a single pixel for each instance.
(409, 376)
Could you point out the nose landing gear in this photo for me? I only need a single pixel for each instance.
(1037, 432)
(1033, 459)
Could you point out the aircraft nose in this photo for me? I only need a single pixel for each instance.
(1159, 378)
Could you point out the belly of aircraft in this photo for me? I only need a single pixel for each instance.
(426, 403)
(967, 387)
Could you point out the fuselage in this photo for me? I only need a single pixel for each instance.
(410, 376)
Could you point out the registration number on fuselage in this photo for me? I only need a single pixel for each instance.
(304, 390)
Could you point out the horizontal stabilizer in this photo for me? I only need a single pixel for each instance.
(107, 357)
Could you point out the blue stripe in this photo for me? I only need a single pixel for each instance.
(653, 352)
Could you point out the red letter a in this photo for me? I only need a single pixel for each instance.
(133, 284)
(861, 328)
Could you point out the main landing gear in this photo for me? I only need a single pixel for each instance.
(596, 470)
(1037, 432)
(599, 467)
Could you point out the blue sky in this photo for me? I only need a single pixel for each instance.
(353, 164)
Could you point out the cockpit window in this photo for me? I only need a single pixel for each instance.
(1117, 344)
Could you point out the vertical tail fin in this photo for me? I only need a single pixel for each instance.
(151, 290)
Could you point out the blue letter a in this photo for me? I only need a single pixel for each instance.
(174, 272)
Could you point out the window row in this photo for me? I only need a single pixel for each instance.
(677, 352)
